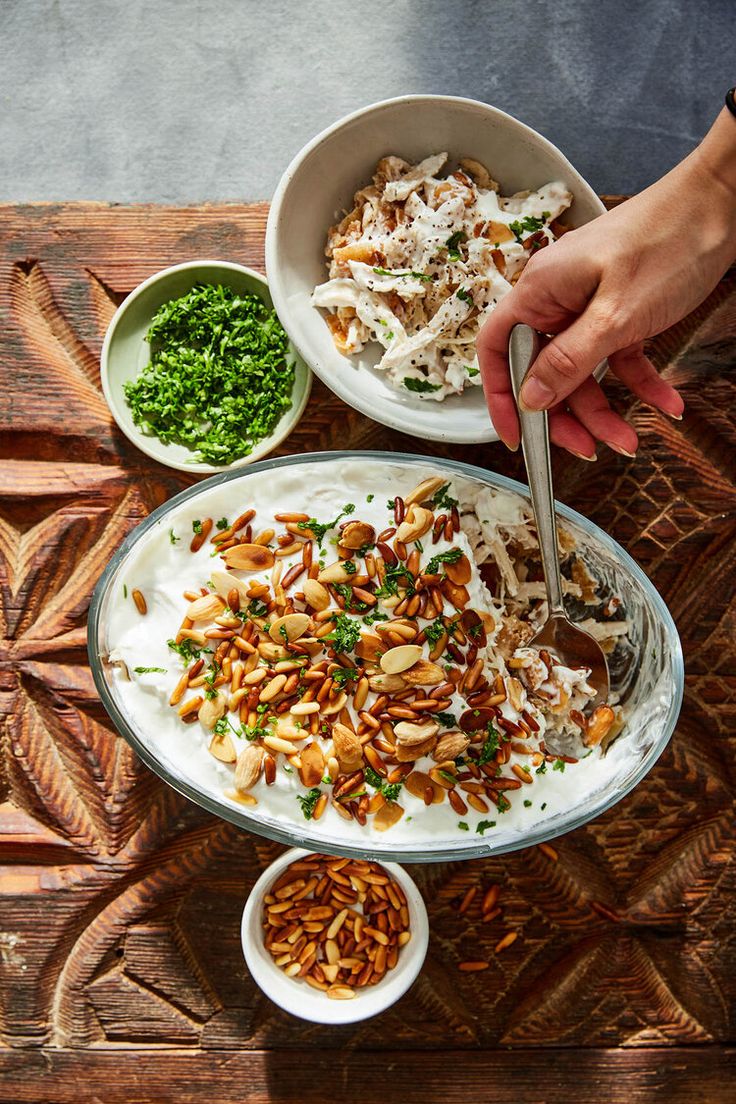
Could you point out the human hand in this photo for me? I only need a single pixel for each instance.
(604, 288)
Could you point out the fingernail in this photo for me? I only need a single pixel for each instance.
(536, 395)
(675, 417)
(617, 448)
(582, 456)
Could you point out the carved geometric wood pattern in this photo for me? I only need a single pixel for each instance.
(120, 962)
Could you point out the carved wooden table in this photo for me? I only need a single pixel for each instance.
(121, 975)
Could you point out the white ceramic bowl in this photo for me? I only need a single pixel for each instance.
(318, 187)
(125, 352)
(300, 999)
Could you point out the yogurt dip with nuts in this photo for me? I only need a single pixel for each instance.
(344, 654)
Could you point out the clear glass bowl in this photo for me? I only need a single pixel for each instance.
(647, 673)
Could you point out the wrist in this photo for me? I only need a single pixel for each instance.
(715, 158)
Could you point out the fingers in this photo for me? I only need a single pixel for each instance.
(529, 302)
(567, 432)
(591, 408)
(637, 372)
(570, 358)
(492, 345)
(502, 408)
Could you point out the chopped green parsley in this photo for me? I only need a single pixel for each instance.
(308, 802)
(188, 650)
(219, 377)
(320, 529)
(344, 674)
(453, 242)
(346, 633)
(390, 790)
(490, 745)
(441, 499)
(420, 386)
(528, 225)
(451, 556)
(416, 275)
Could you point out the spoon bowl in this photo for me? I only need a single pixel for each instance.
(575, 648)
(572, 645)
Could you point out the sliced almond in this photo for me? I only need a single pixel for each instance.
(317, 596)
(286, 728)
(221, 746)
(410, 734)
(335, 706)
(456, 594)
(291, 627)
(424, 491)
(406, 754)
(499, 232)
(205, 608)
(417, 782)
(401, 658)
(473, 720)
(272, 651)
(223, 582)
(449, 746)
(335, 573)
(356, 534)
(348, 748)
(312, 767)
(248, 767)
(424, 673)
(515, 693)
(479, 173)
(387, 816)
(460, 572)
(212, 709)
(249, 557)
(417, 522)
(370, 647)
(382, 683)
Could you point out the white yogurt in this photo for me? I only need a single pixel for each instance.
(162, 568)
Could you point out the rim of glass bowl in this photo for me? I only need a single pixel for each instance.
(297, 837)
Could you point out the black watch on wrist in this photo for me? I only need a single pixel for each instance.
(730, 102)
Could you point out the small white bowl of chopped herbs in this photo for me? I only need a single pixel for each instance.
(197, 370)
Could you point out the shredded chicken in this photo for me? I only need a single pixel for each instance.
(421, 261)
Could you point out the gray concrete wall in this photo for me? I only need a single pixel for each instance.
(187, 100)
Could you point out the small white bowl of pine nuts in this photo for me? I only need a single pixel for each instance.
(365, 933)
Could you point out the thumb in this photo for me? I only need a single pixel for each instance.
(569, 358)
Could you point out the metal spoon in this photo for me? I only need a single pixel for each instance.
(572, 645)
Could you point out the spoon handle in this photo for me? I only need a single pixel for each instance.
(523, 351)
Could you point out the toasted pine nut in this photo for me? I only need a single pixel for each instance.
(140, 601)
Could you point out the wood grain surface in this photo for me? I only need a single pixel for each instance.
(121, 975)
